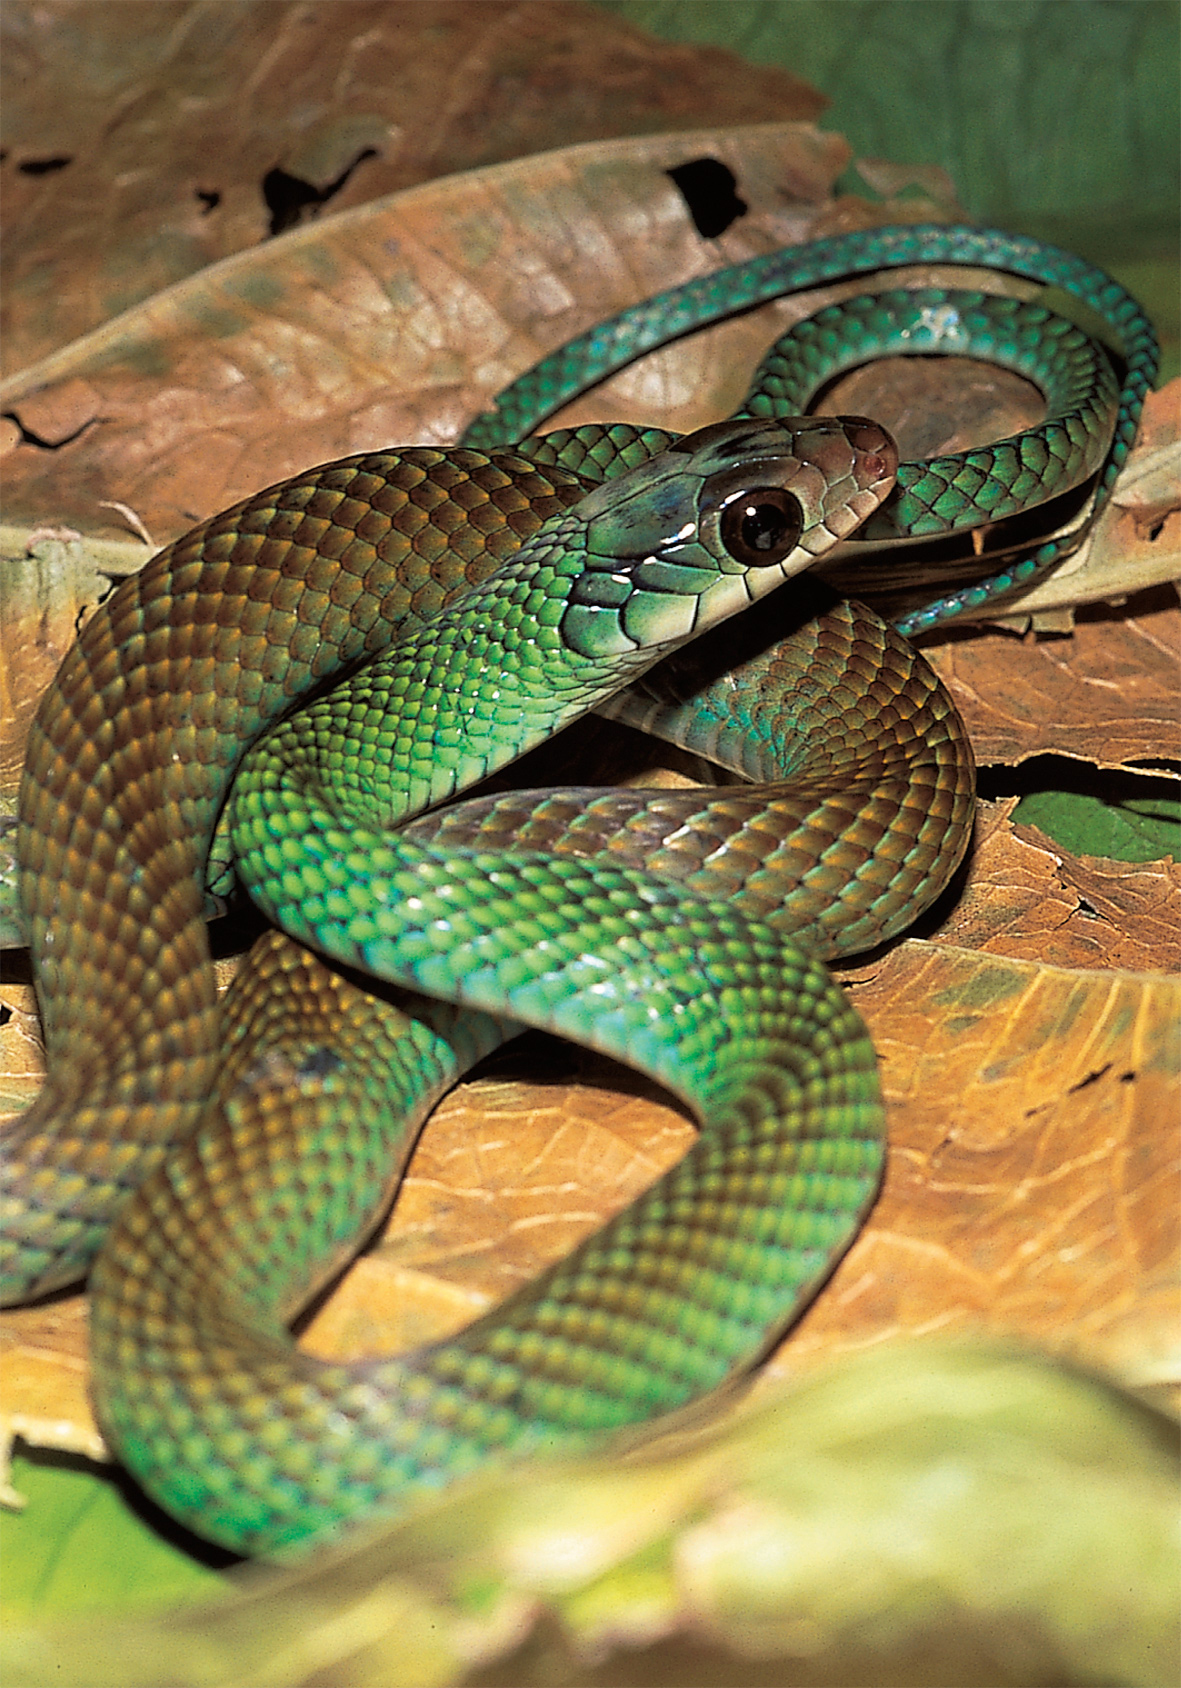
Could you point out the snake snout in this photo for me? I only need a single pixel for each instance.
(854, 462)
(874, 447)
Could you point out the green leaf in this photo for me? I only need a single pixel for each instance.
(1057, 120)
(79, 1545)
(1140, 829)
(1033, 106)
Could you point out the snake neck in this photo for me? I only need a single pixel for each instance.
(461, 698)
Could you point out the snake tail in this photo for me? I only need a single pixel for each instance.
(1083, 434)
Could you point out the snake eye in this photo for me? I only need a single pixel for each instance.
(761, 526)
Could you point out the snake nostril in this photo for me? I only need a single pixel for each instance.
(876, 446)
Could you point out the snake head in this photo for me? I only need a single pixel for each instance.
(716, 522)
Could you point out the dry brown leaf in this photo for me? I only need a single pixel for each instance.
(1107, 695)
(45, 1383)
(512, 1173)
(44, 597)
(140, 139)
(22, 1054)
(1032, 1182)
(1027, 898)
(393, 323)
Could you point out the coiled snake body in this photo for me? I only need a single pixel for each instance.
(499, 595)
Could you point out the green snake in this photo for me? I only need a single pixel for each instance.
(218, 1168)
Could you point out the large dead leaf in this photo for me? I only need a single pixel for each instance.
(143, 143)
(1137, 540)
(47, 589)
(1028, 1185)
(397, 321)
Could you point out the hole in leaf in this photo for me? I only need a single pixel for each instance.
(286, 199)
(708, 188)
(29, 437)
(45, 166)
(290, 200)
(210, 199)
(1090, 1079)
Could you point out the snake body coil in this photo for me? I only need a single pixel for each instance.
(508, 594)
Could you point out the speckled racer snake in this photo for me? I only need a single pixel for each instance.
(475, 601)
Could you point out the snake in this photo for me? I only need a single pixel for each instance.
(346, 653)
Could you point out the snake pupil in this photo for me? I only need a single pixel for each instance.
(760, 528)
